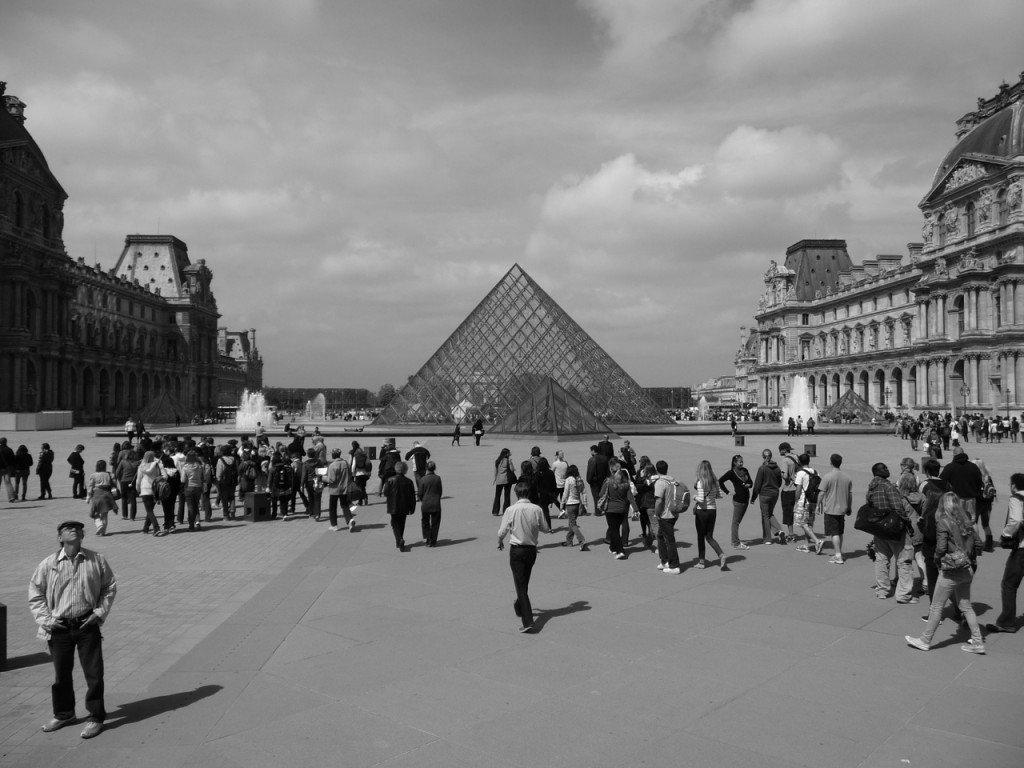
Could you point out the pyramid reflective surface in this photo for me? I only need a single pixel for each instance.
(551, 410)
(507, 348)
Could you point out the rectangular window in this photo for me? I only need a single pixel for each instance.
(805, 319)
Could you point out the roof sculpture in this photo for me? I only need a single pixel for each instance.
(506, 349)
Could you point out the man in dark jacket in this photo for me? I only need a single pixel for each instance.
(401, 496)
(967, 481)
(767, 483)
(597, 471)
(605, 448)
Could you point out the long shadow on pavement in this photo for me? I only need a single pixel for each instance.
(136, 711)
(543, 617)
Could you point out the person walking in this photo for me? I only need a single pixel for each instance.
(70, 595)
(150, 470)
(22, 470)
(478, 431)
(124, 475)
(808, 489)
(767, 483)
(361, 468)
(741, 485)
(955, 558)
(7, 469)
(339, 477)
(836, 505)
(597, 472)
(617, 501)
(573, 500)
(522, 522)
(99, 497)
(1013, 571)
(400, 493)
(504, 479)
(883, 496)
(77, 472)
(431, 491)
(644, 482)
(44, 469)
(705, 512)
(457, 435)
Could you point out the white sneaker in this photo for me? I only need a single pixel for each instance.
(332, 528)
(662, 566)
(673, 571)
(352, 524)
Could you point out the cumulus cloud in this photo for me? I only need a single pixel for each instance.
(793, 160)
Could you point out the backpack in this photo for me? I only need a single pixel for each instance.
(250, 470)
(282, 477)
(361, 461)
(229, 476)
(812, 489)
(162, 488)
(677, 500)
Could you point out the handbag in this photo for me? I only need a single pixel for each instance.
(886, 524)
(952, 561)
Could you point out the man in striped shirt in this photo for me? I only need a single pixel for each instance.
(70, 595)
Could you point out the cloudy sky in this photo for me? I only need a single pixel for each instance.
(359, 173)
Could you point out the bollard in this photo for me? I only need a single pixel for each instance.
(811, 449)
(740, 440)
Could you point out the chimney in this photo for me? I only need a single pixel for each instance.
(15, 107)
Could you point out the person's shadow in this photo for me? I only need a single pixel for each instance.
(136, 711)
(541, 617)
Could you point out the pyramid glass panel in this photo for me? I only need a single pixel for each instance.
(504, 351)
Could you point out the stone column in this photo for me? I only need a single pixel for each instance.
(1018, 302)
(1018, 396)
(920, 383)
(922, 321)
(1010, 377)
(940, 382)
(1010, 305)
(941, 319)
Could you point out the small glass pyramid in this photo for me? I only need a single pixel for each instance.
(505, 350)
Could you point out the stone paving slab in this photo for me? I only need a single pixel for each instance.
(280, 643)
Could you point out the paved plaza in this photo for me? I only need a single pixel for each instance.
(280, 643)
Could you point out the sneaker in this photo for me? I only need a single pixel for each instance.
(741, 545)
(802, 548)
(526, 630)
(836, 561)
(700, 565)
(332, 528)
(819, 546)
(351, 525)
(768, 542)
(662, 566)
(56, 724)
(908, 601)
(92, 728)
(920, 644)
(881, 596)
(672, 571)
(620, 556)
(973, 646)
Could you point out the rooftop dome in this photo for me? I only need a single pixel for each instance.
(995, 129)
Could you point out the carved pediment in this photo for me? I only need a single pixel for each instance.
(964, 173)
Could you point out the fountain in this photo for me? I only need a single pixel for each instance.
(702, 408)
(799, 402)
(251, 409)
(318, 408)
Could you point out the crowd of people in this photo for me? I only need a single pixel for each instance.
(931, 528)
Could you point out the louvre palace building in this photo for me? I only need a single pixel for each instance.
(938, 328)
(103, 344)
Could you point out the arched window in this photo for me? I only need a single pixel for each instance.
(940, 227)
(46, 221)
(19, 210)
(972, 219)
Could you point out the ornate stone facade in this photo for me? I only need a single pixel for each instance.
(101, 343)
(939, 329)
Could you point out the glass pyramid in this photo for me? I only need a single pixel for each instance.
(550, 410)
(507, 348)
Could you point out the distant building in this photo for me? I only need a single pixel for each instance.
(670, 398)
(939, 328)
(337, 400)
(240, 364)
(73, 336)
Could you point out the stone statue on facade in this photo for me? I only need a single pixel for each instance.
(927, 228)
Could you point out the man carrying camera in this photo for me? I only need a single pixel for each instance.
(1013, 532)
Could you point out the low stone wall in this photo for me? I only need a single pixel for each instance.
(29, 422)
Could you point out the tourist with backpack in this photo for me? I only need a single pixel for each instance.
(227, 480)
(671, 499)
(281, 476)
(124, 473)
(151, 470)
(362, 468)
(808, 486)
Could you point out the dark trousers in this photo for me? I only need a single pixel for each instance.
(499, 505)
(645, 523)
(398, 528)
(595, 494)
(78, 485)
(192, 496)
(226, 493)
(44, 484)
(667, 542)
(149, 503)
(89, 643)
(521, 560)
(1012, 576)
(739, 509)
(788, 499)
(704, 520)
(430, 522)
(168, 507)
(614, 520)
(332, 508)
(129, 505)
(768, 522)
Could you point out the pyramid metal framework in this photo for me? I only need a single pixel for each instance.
(850, 404)
(508, 346)
(550, 410)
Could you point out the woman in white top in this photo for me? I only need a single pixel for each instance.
(574, 495)
(149, 470)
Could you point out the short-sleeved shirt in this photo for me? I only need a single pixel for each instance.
(836, 493)
(802, 478)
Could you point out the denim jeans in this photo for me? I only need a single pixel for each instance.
(149, 504)
(667, 542)
(89, 643)
(571, 512)
(903, 551)
(499, 505)
(521, 560)
(739, 509)
(768, 522)
(192, 497)
(129, 505)
(957, 583)
(333, 500)
(1012, 575)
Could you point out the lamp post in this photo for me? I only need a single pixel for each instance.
(966, 392)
